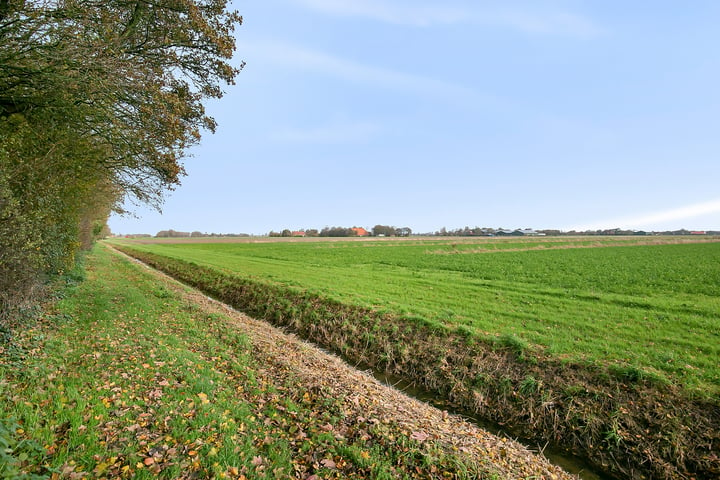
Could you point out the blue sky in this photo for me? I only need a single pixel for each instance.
(563, 114)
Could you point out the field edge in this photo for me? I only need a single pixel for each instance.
(621, 420)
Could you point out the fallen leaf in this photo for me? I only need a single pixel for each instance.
(419, 436)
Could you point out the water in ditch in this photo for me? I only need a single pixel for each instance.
(568, 462)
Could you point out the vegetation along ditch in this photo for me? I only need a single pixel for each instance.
(554, 453)
(624, 422)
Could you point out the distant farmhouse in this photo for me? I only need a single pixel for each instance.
(526, 232)
(360, 232)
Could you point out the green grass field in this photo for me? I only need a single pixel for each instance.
(126, 379)
(651, 307)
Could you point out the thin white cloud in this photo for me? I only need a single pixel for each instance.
(661, 220)
(527, 18)
(389, 12)
(337, 133)
(299, 58)
(546, 23)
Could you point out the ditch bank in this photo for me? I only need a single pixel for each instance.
(621, 421)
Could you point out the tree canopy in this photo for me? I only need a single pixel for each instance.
(99, 103)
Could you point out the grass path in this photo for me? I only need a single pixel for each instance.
(133, 376)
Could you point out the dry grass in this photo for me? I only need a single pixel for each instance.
(547, 244)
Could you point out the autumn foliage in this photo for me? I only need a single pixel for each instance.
(99, 102)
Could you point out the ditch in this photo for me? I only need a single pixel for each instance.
(568, 462)
(628, 427)
(555, 455)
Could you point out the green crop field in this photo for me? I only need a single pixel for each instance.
(643, 303)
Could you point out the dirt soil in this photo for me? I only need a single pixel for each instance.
(278, 353)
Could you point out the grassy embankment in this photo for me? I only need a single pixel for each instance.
(609, 351)
(124, 378)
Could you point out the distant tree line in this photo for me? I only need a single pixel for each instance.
(390, 231)
(337, 232)
(195, 234)
(619, 231)
(377, 230)
(486, 231)
(466, 232)
(325, 232)
(99, 103)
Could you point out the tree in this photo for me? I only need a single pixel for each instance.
(383, 230)
(99, 102)
(130, 75)
(336, 232)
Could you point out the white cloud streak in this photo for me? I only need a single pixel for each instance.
(529, 18)
(661, 220)
(299, 58)
(337, 133)
(545, 23)
(389, 12)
